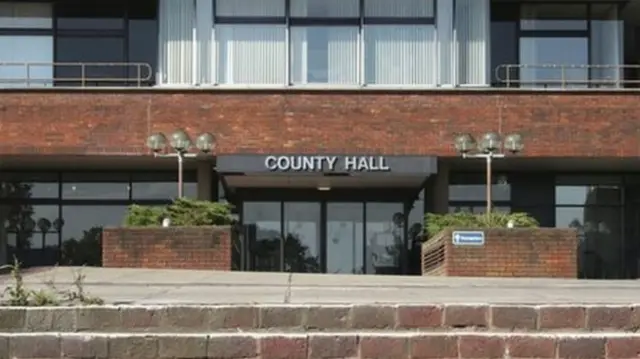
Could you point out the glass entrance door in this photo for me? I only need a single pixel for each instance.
(345, 238)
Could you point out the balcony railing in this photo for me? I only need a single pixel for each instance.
(567, 76)
(74, 74)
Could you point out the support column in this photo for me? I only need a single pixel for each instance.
(205, 181)
(440, 189)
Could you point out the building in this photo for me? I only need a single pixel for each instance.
(374, 91)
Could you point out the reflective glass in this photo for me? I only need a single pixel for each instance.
(554, 61)
(263, 233)
(325, 8)
(36, 51)
(250, 8)
(600, 241)
(472, 192)
(554, 17)
(302, 239)
(384, 237)
(588, 195)
(479, 209)
(90, 15)
(322, 54)
(400, 54)
(29, 185)
(252, 54)
(143, 38)
(162, 190)
(106, 53)
(25, 15)
(399, 8)
(345, 238)
(82, 231)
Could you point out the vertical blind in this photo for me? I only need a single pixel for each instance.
(194, 49)
(176, 42)
(473, 34)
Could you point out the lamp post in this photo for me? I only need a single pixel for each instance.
(490, 147)
(180, 143)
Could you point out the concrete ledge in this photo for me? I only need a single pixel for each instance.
(319, 345)
(429, 317)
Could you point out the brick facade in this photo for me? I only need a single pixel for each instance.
(118, 122)
(518, 252)
(174, 248)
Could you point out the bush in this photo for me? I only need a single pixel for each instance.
(182, 212)
(435, 223)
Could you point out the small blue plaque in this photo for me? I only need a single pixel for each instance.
(468, 238)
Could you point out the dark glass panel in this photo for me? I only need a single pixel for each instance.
(302, 240)
(90, 15)
(31, 234)
(82, 231)
(109, 52)
(263, 232)
(384, 238)
(143, 39)
(162, 185)
(28, 185)
(95, 186)
(345, 238)
(554, 17)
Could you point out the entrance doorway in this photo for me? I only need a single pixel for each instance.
(329, 236)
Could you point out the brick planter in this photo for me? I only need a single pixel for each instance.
(174, 247)
(518, 252)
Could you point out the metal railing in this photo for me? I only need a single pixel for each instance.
(73, 74)
(567, 76)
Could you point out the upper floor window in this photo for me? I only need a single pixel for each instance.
(557, 44)
(301, 42)
(93, 42)
(26, 44)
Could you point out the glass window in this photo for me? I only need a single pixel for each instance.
(85, 50)
(302, 240)
(95, 186)
(325, 8)
(82, 232)
(606, 44)
(345, 238)
(588, 195)
(250, 8)
(400, 54)
(399, 8)
(384, 237)
(29, 185)
(25, 15)
(90, 15)
(29, 64)
(478, 209)
(554, 61)
(252, 54)
(554, 17)
(322, 54)
(470, 193)
(504, 51)
(263, 233)
(162, 185)
(143, 38)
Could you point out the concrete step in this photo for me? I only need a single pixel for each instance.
(422, 317)
(355, 345)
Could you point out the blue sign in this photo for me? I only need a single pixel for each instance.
(468, 238)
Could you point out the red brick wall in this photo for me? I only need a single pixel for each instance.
(554, 123)
(175, 247)
(518, 252)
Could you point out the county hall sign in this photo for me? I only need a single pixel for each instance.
(326, 163)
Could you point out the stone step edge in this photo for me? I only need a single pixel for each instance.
(323, 317)
(320, 345)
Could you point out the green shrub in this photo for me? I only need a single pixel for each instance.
(435, 223)
(182, 212)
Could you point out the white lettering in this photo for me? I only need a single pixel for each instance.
(270, 163)
(383, 164)
(350, 163)
(331, 163)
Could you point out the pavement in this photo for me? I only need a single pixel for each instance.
(162, 286)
